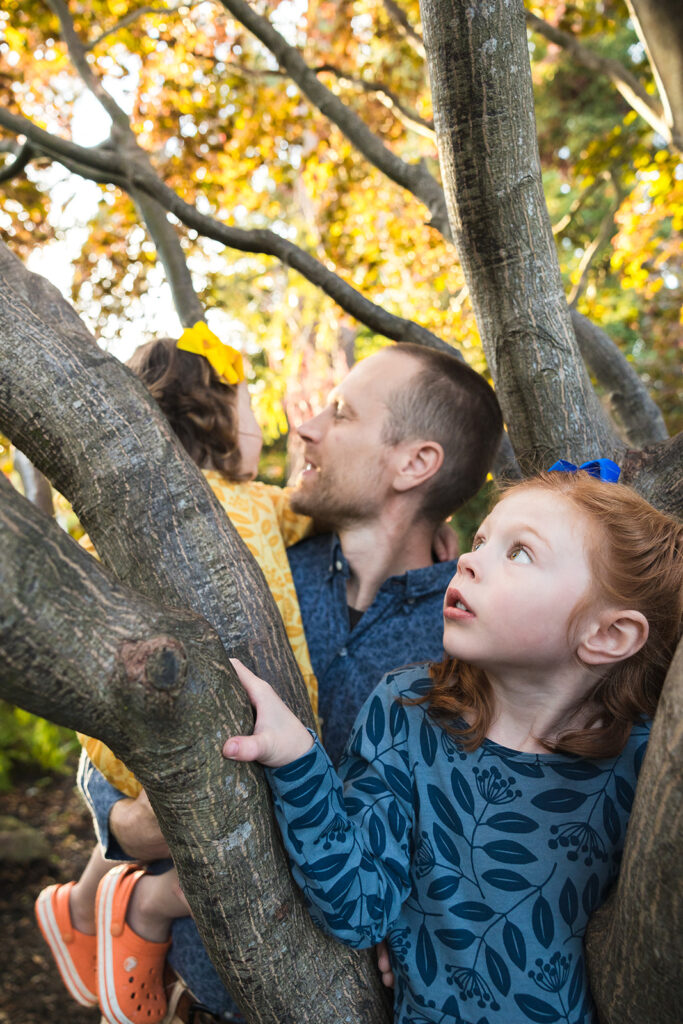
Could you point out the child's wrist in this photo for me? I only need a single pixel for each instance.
(301, 744)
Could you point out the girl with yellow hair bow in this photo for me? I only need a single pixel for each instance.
(200, 386)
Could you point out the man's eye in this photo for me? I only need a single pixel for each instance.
(520, 554)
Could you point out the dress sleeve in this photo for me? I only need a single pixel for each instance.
(349, 843)
(293, 527)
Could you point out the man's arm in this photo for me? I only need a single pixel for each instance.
(126, 829)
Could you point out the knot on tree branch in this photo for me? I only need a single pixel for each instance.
(160, 663)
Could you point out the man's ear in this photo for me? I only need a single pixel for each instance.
(416, 462)
(614, 636)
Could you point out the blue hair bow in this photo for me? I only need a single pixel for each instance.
(603, 469)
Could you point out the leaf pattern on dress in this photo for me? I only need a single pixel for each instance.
(481, 869)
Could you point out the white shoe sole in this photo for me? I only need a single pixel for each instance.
(60, 950)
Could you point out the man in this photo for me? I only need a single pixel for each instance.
(407, 437)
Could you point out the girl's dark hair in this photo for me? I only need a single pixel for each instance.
(636, 556)
(200, 407)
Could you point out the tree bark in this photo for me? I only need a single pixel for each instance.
(90, 425)
(484, 117)
(631, 405)
(633, 941)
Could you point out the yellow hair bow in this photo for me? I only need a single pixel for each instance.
(226, 361)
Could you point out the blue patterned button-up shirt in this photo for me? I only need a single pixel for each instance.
(404, 624)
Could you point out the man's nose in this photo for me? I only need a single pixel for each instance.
(313, 429)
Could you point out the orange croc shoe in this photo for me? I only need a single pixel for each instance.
(74, 952)
(129, 968)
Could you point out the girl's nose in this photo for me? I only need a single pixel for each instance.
(468, 564)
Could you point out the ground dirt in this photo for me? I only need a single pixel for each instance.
(31, 991)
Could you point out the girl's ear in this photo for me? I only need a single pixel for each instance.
(615, 636)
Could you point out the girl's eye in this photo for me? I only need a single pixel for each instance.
(520, 554)
(477, 543)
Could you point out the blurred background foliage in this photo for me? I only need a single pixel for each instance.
(232, 134)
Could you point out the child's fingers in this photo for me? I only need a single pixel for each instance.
(254, 686)
(247, 748)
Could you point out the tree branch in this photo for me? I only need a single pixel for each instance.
(483, 95)
(133, 16)
(591, 252)
(23, 156)
(635, 94)
(659, 25)
(400, 20)
(109, 167)
(642, 422)
(155, 684)
(579, 203)
(78, 55)
(167, 243)
(410, 118)
(413, 177)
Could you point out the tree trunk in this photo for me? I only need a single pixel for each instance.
(486, 132)
(633, 941)
(483, 107)
(85, 421)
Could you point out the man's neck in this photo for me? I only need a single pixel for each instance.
(375, 551)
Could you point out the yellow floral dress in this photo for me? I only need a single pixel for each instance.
(262, 516)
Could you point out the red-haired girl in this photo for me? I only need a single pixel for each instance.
(482, 806)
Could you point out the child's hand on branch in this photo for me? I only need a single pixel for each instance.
(278, 737)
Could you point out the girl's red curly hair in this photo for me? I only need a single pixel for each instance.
(636, 555)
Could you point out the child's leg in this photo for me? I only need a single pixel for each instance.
(66, 917)
(154, 904)
(134, 916)
(84, 891)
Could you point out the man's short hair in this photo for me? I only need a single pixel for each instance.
(447, 402)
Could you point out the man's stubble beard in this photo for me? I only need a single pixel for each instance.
(330, 510)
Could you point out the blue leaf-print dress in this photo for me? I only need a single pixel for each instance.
(481, 869)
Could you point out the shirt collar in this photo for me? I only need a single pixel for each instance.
(411, 584)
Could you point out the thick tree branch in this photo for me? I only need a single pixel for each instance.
(656, 472)
(633, 961)
(153, 519)
(641, 420)
(413, 177)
